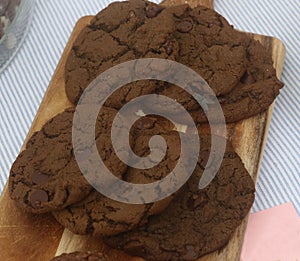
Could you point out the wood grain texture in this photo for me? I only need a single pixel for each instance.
(30, 237)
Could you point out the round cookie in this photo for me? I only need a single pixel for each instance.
(81, 256)
(101, 216)
(238, 69)
(197, 222)
(103, 44)
(45, 176)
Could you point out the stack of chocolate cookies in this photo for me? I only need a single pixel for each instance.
(190, 223)
(237, 68)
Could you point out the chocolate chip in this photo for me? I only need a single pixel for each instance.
(37, 197)
(204, 156)
(145, 123)
(132, 14)
(167, 47)
(39, 178)
(136, 247)
(197, 201)
(153, 11)
(191, 253)
(184, 27)
(222, 99)
(248, 78)
(225, 192)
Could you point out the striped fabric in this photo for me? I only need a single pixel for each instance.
(24, 82)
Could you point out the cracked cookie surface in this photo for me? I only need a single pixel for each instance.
(98, 215)
(45, 176)
(197, 222)
(237, 68)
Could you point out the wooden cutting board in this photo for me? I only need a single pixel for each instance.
(39, 237)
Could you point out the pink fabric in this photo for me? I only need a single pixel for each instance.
(273, 235)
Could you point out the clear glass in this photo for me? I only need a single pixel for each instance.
(15, 32)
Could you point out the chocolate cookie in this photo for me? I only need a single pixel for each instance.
(45, 176)
(81, 256)
(99, 47)
(102, 216)
(253, 93)
(197, 222)
(119, 34)
(238, 69)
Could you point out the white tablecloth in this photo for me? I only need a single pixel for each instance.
(24, 82)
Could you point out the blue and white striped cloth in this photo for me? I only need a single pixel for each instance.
(24, 82)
